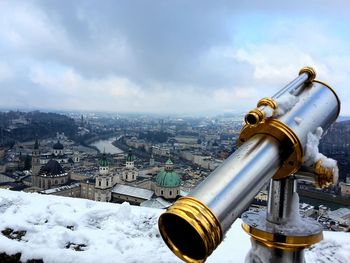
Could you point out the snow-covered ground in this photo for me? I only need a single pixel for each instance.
(60, 229)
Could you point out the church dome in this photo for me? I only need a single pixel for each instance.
(168, 179)
(52, 168)
(58, 146)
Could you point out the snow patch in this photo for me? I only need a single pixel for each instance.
(312, 154)
(285, 103)
(268, 111)
(61, 229)
(298, 120)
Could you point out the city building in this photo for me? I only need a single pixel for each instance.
(345, 189)
(167, 183)
(50, 175)
(35, 160)
(104, 181)
(130, 172)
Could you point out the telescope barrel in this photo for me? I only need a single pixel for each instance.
(195, 225)
(307, 74)
(267, 106)
(222, 197)
(232, 186)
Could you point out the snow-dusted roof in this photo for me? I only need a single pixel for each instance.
(60, 189)
(341, 214)
(133, 191)
(159, 202)
(61, 229)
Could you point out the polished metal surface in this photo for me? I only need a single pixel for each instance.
(258, 114)
(292, 86)
(317, 107)
(232, 186)
(280, 198)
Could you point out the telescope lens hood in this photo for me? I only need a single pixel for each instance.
(190, 229)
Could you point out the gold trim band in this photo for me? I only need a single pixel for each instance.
(268, 102)
(289, 141)
(310, 72)
(202, 223)
(275, 240)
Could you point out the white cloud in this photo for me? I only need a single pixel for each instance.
(6, 72)
(117, 57)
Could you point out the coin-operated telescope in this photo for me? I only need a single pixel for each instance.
(279, 143)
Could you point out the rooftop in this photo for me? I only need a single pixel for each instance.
(60, 189)
(52, 168)
(133, 191)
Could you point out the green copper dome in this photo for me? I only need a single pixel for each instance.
(168, 179)
(130, 157)
(103, 161)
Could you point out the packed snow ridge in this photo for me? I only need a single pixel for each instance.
(61, 229)
(312, 154)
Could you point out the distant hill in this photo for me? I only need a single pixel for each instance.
(343, 118)
(26, 126)
(336, 144)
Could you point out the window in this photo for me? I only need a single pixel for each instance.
(171, 193)
(107, 183)
(99, 183)
(161, 192)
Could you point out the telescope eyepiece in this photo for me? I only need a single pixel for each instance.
(254, 117)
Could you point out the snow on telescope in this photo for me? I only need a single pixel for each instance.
(275, 143)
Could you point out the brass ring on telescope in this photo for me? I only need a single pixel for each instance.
(277, 240)
(198, 217)
(254, 117)
(290, 144)
(331, 89)
(268, 102)
(310, 72)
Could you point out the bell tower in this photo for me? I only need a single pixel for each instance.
(35, 163)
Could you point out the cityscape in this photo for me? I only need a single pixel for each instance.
(146, 160)
(174, 131)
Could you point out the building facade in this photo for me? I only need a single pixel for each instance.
(104, 181)
(130, 172)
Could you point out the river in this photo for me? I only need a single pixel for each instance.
(107, 146)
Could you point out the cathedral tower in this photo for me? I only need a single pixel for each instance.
(104, 181)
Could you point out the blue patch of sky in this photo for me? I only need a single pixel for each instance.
(255, 29)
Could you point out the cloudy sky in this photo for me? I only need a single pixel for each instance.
(167, 56)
